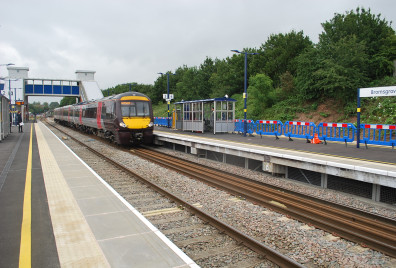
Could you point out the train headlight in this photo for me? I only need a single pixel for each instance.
(122, 124)
(151, 124)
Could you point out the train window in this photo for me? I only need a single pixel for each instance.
(103, 112)
(133, 109)
(142, 108)
(109, 111)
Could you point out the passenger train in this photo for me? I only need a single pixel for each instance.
(125, 119)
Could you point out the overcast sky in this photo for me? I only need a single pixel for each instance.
(131, 41)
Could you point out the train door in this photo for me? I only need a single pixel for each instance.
(99, 115)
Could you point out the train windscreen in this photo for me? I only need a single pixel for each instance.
(135, 109)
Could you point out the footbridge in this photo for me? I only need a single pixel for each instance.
(84, 88)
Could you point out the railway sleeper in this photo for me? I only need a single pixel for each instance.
(220, 250)
(198, 226)
(166, 220)
(195, 240)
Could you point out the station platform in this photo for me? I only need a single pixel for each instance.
(375, 166)
(55, 211)
(373, 153)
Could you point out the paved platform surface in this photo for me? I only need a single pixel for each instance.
(57, 212)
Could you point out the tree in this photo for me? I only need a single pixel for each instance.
(187, 87)
(205, 71)
(260, 94)
(354, 49)
(228, 76)
(53, 105)
(161, 87)
(36, 108)
(369, 29)
(287, 85)
(335, 72)
(278, 55)
(67, 101)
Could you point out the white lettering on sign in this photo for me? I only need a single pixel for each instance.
(378, 91)
(165, 96)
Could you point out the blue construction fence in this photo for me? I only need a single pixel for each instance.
(341, 132)
(162, 121)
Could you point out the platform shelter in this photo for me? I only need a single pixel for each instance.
(210, 115)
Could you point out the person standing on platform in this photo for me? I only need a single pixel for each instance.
(212, 118)
(10, 122)
(19, 121)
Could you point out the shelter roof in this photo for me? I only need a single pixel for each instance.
(207, 100)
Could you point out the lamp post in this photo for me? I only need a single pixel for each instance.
(15, 88)
(1, 86)
(130, 84)
(245, 89)
(167, 98)
(9, 88)
(9, 93)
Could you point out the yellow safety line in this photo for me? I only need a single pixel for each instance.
(25, 253)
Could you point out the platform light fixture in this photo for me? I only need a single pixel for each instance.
(130, 86)
(15, 90)
(245, 87)
(167, 98)
(5, 64)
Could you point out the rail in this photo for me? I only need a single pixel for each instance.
(363, 228)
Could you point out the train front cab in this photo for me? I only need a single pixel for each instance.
(137, 119)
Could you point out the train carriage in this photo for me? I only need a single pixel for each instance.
(126, 118)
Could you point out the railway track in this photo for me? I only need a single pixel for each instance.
(363, 228)
(158, 205)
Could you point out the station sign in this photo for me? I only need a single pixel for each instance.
(378, 91)
(19, 102)
(165, 97)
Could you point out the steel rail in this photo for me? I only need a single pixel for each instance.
(351, 216)
(376, 234)
(260, 248)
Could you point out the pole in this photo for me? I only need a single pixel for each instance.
(9, 90)
(358, 120)
(168, 98)
(245, 98)
(9, 96)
